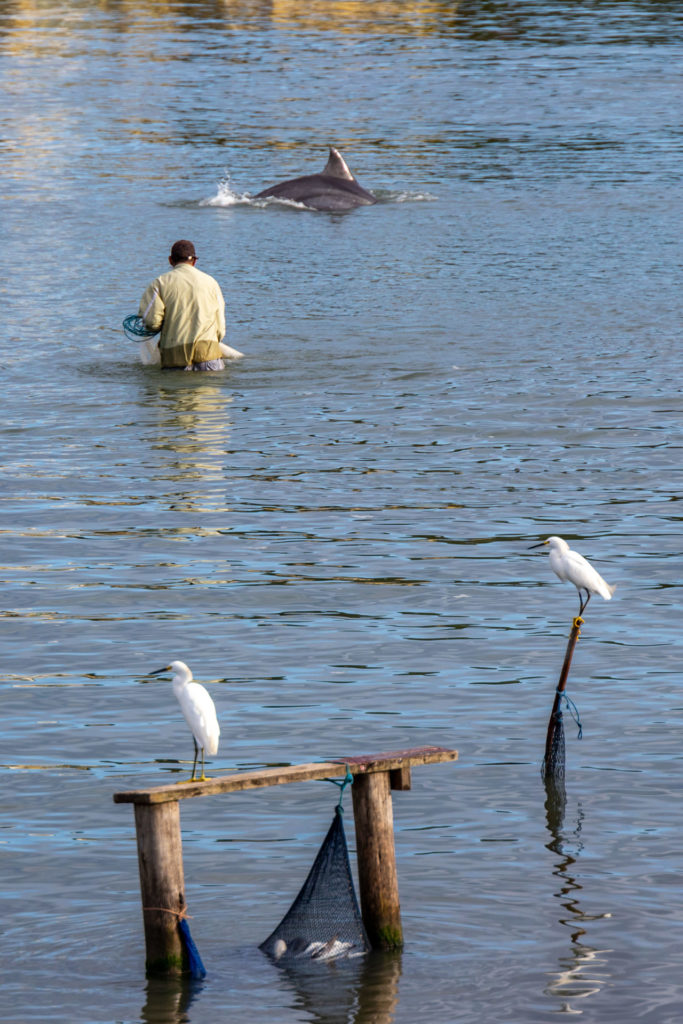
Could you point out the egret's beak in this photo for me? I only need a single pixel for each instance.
(542, 544)
(159, 671)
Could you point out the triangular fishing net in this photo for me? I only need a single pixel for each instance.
(324, 921)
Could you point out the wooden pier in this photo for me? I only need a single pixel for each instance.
(160, 853)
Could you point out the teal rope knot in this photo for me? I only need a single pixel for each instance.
(573, 711)
(342, 786)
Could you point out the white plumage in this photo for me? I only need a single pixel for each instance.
(198, 709)
(572, 567)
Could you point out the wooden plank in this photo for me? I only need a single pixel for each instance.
(280, 775)
(230, 783)
(388, 760)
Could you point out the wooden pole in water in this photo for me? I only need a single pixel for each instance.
(162, 885)
(377, 876)
(564, 674)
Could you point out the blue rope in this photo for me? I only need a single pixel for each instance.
(134, 328)
(342, 786)
(573, 711)
(194, 961)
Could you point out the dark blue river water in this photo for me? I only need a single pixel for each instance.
(334, 533)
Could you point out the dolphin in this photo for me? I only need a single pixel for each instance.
(335, 188)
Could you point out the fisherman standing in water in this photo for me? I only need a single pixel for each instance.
(189, 308)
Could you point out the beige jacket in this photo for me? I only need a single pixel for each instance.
(189, 307)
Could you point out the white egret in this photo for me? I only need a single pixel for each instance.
(571, 566)
(199, 711)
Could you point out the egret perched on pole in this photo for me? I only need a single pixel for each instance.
(571, 566)
(199, 711)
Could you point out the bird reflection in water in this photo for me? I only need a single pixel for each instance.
(582, 971)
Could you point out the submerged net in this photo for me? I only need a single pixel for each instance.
(554, 760)
(135, 330)
(324, 921)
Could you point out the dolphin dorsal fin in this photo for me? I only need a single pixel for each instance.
(336, 166)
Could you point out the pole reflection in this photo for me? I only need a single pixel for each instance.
(169, 999)
(363, 990)
(582, 971)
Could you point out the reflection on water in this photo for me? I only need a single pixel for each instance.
(579, 975)
(496, 19)
(192, 430)
(359, 991)
(169, 1000)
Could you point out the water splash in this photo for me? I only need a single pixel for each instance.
(405, 196)
(225, 195)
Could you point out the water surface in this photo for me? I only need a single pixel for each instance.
(334, 533)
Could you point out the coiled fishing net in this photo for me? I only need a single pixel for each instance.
(324, 921)
(135, 330)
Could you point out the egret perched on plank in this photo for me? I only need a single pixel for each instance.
(199, 711)
(571, 566)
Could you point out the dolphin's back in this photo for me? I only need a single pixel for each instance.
(321, 192)
(334, 189)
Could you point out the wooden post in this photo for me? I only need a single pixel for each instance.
(377, 877)
(562, 682)
(162, 885)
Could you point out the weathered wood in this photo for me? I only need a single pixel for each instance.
(162, 886)
(229, 783)
(388, 761)
(412, 757)
(377, 876)
(399, 778)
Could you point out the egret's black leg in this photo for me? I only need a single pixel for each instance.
(196, 755)
(583, 603)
